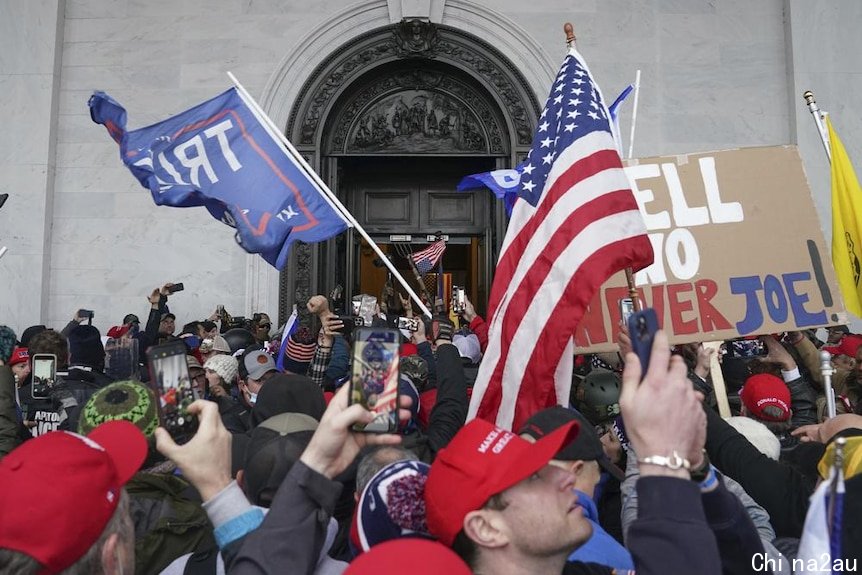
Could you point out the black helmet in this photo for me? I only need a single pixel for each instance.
(600, 397)
(238, 338)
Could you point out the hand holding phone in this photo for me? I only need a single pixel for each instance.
(176, 287)
(374, 383)
(169, 377)
(44, 375)
(642, 327)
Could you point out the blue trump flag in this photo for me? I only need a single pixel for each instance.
(503, 183)
(218, 155)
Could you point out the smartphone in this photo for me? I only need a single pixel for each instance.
(169, 377)
(459, 299)
(642, 327)
(176, 287)
(747, 348)
(374, 382)
(408, 323)
(44, 374)
(627, 308)
(349, 323)
(87, 313)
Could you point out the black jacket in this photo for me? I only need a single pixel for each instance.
(9, 439)
(450, 410)
(81, 383)
(780, 489)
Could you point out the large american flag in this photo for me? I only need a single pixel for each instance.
(426, 259)
(579, 225)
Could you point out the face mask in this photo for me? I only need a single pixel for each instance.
(252, 398)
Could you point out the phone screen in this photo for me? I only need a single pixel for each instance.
(627, 308)
(44, 373)
(169, 376)
(374, 383)
(748, 348)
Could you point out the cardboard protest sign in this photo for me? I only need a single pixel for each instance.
(738, 250)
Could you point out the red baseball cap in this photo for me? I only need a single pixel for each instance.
(61, 489)
(418, 556)
(119, 331)
(481, 461)
(763, 390)
(19, 355)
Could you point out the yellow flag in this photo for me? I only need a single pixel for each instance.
(846, 224)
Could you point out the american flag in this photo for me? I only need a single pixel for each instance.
(426, 259)
(578, 226)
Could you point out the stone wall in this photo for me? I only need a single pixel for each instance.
(82, 232)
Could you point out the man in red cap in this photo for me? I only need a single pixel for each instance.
(86, 523)
(495, 499)
(20, 365)
(766, 398)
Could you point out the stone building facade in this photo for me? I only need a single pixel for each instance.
(389, 100)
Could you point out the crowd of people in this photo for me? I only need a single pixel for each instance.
(638, 473)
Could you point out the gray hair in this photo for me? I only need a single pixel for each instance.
(377, 459)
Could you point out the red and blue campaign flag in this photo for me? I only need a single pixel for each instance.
(577, 225)
(220, 156)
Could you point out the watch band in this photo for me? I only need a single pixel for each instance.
(675, 461)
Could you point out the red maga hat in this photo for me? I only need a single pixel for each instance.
(61, 489)
(481, 461)
(764, 390)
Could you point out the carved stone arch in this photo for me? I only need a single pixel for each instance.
(443, 46)
(305, 90)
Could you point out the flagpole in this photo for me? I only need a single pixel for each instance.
(634, 113)
(808, 96)
(826, 370)
(833, 512)
(633, 292)
(331, 198)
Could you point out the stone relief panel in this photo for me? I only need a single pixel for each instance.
(417, 122)
(413, 40)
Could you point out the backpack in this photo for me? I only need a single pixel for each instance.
(169, 521)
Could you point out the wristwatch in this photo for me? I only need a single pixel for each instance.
(675, 461)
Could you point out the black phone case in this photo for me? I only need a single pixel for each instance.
(642, 327)
(173, 416)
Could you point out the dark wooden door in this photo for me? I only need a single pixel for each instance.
(416, 196)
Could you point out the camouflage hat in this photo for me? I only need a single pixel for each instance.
(127, 400)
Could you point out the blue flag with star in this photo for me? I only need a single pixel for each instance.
(573, 109)
(221, 156)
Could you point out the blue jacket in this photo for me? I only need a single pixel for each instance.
(600, 547)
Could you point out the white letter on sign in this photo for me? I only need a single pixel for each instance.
(683, 266)
(721, 213)
(659, 221)
(683, 215)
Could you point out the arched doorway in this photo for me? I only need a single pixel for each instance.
(392, 121)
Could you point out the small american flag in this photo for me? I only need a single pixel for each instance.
(426, 259)
(578, 225)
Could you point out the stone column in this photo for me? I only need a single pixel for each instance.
(31, 50)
